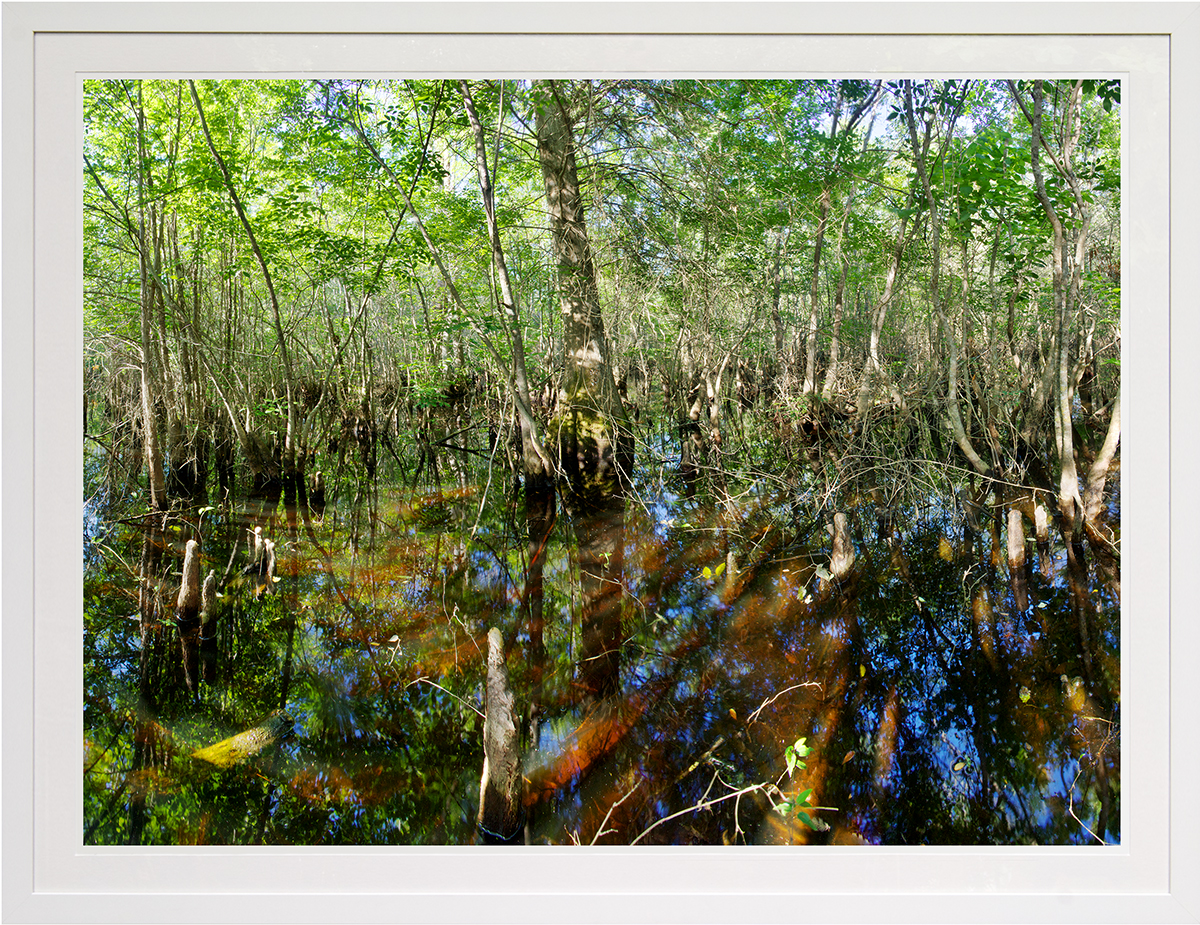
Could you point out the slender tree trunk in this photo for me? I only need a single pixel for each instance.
(536, 464)
(1066, 262)
(151, 445)
(814, 292)
(289, 446)
(920, 150)
(780, 368)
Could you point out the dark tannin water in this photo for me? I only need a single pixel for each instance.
(666, 655)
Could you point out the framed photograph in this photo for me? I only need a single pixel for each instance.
(600, 462)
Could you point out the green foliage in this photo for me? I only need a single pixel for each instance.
(800, 806)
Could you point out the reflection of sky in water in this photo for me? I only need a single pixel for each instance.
(694, 666)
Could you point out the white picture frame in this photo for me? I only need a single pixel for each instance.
(49, 876)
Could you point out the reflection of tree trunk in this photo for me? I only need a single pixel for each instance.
(153, 639)
(1081, 609)
(887, 736)
(148, 605)
(539, 520)
(838, 640)
(600, 531)
(209, 618)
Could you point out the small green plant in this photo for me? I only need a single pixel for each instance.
(801, 804)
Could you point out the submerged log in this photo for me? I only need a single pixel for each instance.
(501, 813)
(224, 754)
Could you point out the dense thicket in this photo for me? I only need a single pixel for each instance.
(291, 285)
(705, 320)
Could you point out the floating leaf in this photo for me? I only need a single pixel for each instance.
(862, 671)
(959, 765)
(850, 754)
(732, 713)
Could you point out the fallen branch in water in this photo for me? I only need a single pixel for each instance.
(770, 700)
(705, 804)
(465, 703)
(602, 830)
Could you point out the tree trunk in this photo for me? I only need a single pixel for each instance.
(151, 444)
(810, 345)
(536, 464)
(1093, 495)
(595, 446)
(1066, 262)
(500, 796)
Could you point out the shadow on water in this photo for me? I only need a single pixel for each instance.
(662, 654)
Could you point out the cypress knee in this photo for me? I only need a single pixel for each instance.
(500, 804)
(187, 613)
(841, 559)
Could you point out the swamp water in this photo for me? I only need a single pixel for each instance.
(664, 654)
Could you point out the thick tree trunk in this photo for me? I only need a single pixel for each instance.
(595, 445)
(1093, 494)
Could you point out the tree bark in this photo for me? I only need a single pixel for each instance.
(536, 464)
(595, 445)
(500, 797)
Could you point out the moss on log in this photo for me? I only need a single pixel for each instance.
(238, 748)
(591, 450)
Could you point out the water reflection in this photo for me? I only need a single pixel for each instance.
(662, 657)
